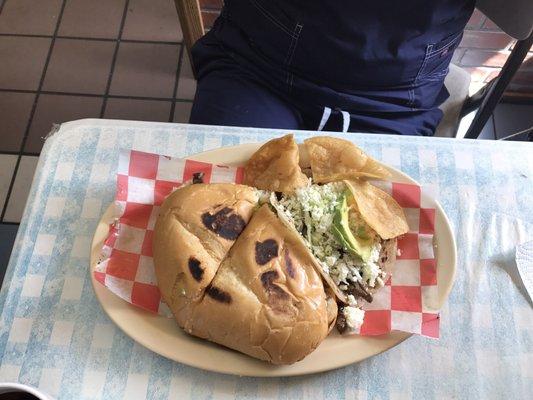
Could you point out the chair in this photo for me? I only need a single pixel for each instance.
(515, 17)
(190, 17)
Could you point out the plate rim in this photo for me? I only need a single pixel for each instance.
(271, 371)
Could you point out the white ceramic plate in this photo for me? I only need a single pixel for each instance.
(163, 336)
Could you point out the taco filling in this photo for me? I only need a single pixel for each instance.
(347, 248)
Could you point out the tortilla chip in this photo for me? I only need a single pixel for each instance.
(304, 161)
(275, 166)
(379, 210)
(333, 159)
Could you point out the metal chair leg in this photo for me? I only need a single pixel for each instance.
(495, 91)
(473, 102)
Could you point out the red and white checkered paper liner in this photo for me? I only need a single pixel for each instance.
(406, 303)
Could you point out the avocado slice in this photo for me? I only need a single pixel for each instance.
(359, 244)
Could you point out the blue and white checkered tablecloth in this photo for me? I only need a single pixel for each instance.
(54, 334)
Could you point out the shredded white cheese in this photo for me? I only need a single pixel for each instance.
(311, 211)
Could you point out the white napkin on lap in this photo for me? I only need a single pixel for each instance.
(524, 262)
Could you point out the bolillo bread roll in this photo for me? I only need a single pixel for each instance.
(266, 299)
(196, 227)
(244, 281)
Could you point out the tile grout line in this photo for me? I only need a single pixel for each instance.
(96, 39)
(10, 223)
(16, 153)
(114, 59)
(176, 83)
(111, 96)
(32, 113)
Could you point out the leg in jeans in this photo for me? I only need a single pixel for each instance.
(226, 97)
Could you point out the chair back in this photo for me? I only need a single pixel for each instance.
(191, 22)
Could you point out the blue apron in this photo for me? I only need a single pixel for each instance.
(375, 66)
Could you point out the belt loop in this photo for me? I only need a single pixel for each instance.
(345, 120)
(325, 117)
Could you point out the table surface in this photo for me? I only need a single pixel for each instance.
(54, 334)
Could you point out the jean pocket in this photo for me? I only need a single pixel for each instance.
(266, 25)
(275, 16)
(437, 58)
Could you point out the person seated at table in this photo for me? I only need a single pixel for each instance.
(360, 66)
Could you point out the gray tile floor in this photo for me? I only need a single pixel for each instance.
(7, 238)
(62, 60)
(85, 56)
(14, 205)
